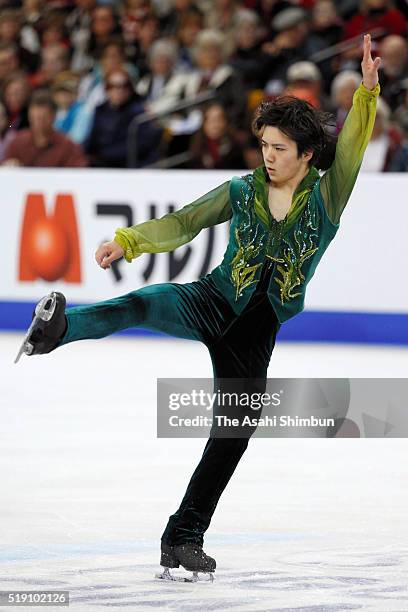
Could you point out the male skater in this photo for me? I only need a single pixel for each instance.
(283, 217)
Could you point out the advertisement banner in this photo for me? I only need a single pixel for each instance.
(54, 220)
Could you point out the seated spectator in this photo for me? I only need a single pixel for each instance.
(222, 15)
(211, 72)
(107, 144)
(73, 117)
(267, 10)
(248, 58)
(54, 59)
(52, 30)
(137, 50)
(385, 143)
(16, 93)
(326, 27)
(326, 22)
(178, 12)
(9, 60)
(41, 145)
(78, 23)
(31, 15)
(6, 134)
(306, 76)
(292, 42)
(214, 146)
(10, 33)
(399, 162)
(189, 27)
(401, 113)
(104, 25)
(92, 86)
(394, 67)
(252, 153)
(162, 62)
(134, 14)
(376, 14)
(343, 87)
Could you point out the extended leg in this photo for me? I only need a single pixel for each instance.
(179, 310)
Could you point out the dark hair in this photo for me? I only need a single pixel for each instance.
(113, 41)
(301, 122)
(42, 97)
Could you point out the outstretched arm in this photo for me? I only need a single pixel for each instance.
(338, 182)
(170, 231)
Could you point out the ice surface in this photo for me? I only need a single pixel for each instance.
(86, 488)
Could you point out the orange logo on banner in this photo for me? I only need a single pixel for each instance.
(49, 247)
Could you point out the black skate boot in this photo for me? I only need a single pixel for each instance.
(47, 326)
(190, 556)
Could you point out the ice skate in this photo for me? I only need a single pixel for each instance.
(47, 327)
(191, 557)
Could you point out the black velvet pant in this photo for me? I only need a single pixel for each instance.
(241, 352)
(240, 347)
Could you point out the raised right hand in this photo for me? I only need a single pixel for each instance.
(108, 252)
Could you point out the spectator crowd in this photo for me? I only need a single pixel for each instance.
(174, 83)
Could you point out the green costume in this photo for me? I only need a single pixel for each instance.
(237, 309)
(295, 244)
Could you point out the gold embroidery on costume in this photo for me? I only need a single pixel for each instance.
(288, 252)
(294, 255)
(242, 272)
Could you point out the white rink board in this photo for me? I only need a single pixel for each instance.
(362, 270)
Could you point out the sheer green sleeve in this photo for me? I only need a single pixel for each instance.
(176, 228)
(338, 182)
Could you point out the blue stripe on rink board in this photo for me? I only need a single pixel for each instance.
(308, 326)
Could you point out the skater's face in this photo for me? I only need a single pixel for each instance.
(280, 155)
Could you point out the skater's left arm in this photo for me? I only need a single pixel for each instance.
(338, 182)
(176, 228)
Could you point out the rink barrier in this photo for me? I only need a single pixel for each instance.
(53, 220)
(308, 326)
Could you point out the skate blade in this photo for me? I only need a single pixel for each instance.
(165, 575)
(43, 311)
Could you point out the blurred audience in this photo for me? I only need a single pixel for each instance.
(385, 143)
(40, 145)
(162, 61)
(107, 144)
(211, 73)
(222, 15)
(54, 59)
(399, 162)
(169, 51)
(15, 94)
(326, 22)
(373, 14)
(92, 86)
(189, 27)
(343, 87)
(9, 60)
(73, 117)
(394, 66)
(401, 112)
(305, 81)
(179, 11)
(79, 26)
(214, 146)
(248, 58)
(6, 133)
(11, 34)
(292, 42)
